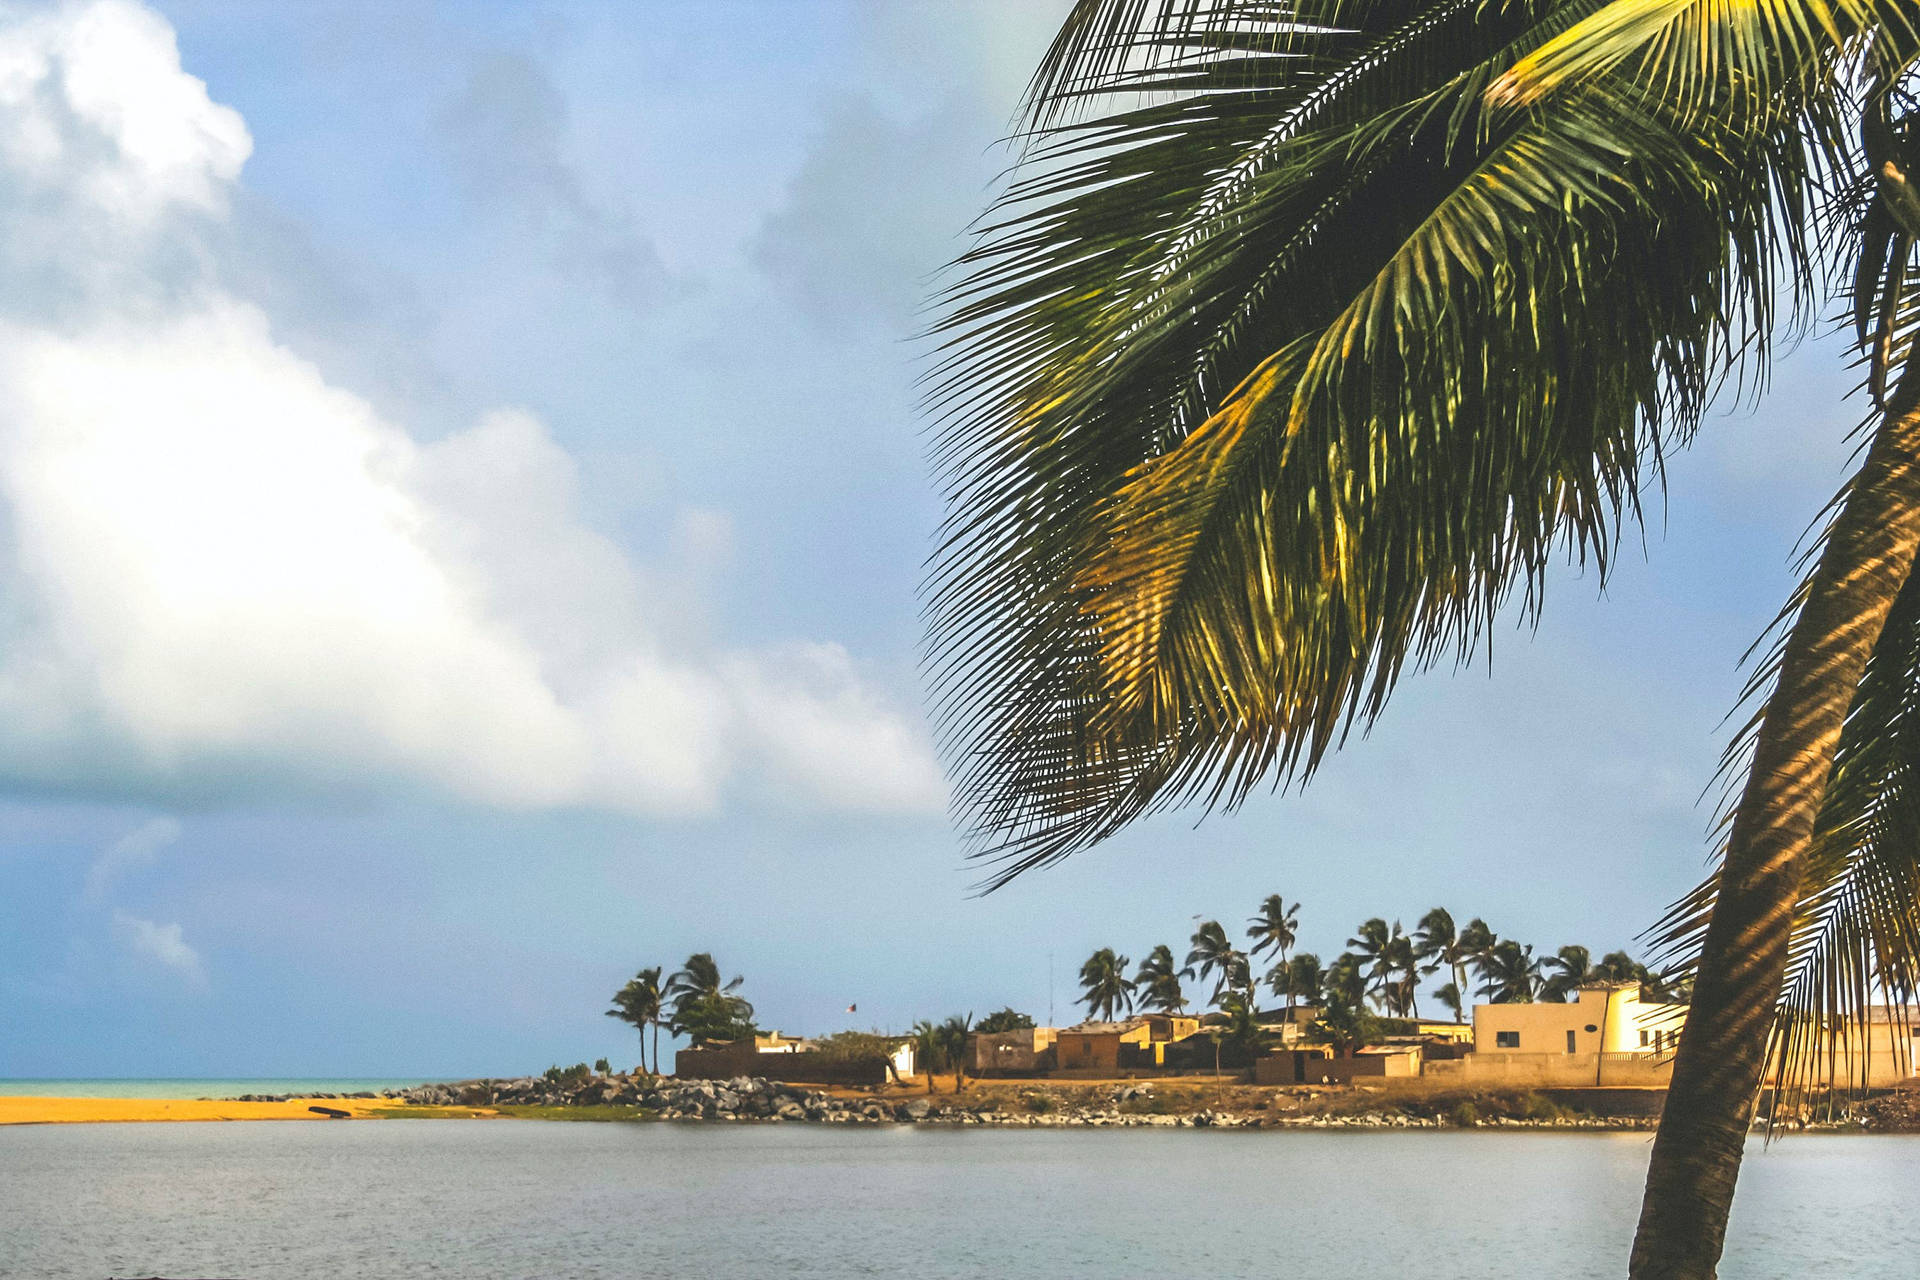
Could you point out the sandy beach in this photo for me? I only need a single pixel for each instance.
(30, 1110)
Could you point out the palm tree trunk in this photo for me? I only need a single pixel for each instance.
(1723, 1046)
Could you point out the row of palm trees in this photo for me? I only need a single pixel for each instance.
(693, 1002)
(1383, 965)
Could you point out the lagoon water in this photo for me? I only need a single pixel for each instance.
(503, 1199)
(177, 1087)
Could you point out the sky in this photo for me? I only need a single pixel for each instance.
(462, 500)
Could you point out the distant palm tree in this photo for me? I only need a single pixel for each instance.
(1403, 963)
(1568, 969)
(952, 1036)
(1104, 987)
(1450, 997)
(1215, 955)
(1274, 929)
(930, 1048)
(638, 1003)
(704, 1005)
(1345, 982)
(1438, 943)
(1157, 983)
(1388, 955)
(1509, 974)
(1303, 980)
(1477, 942)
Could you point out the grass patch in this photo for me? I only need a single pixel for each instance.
(1464, 1116)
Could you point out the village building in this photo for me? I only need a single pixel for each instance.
(1022, 1052)
(1095, 1047)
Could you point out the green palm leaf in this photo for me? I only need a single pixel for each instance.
(1295, 372)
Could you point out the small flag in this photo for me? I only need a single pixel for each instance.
(852, 1008)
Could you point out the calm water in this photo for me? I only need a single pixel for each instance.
(502, 1199)
(27, 1088)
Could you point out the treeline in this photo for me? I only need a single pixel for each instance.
(1379, 973)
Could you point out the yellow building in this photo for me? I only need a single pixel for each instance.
(1109, 1046)
(1605, 1018)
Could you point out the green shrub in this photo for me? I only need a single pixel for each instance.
(1538, 1107)
(601, 1067)
(1039, 1103)
(1465, 1116)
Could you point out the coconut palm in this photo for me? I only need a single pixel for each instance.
(1214, 955)
(1104, 986)
(1387, 955)
(638, 1003)
(704, 1007)
(1510, 975)
(1274, 929)
(1449, 996)
(1303, 980)
(1403, 961)
(1344, 982)
(929, 1046)
(1226, 454)
(1157, 982)
(1439, 944)
(951, 1037)
(1567, 970)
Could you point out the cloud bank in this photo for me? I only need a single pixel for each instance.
(221, 575)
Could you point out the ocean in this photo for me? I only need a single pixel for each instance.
(187, 1088)
(555, 1201)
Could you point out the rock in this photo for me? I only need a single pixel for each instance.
(915, 1109)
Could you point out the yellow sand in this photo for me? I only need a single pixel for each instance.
(85, 1110)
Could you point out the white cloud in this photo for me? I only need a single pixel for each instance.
(221, 574)
(160, 943)
(130, 852)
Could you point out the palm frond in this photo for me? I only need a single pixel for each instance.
(1293, 369)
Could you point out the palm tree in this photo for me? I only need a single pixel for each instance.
(1403, 962)
(1215, 955)
(1274, 929)
(1388, 956)
(1438, 944)
(952, 1036)
(1510, 975)
(704, 1007)
(1104, 987)
(1304, 979)
(1568, 969)
(1225, 455)
(929, 1047)
(1344, 982)
(638, 1003)
(1158, 982)
(1450, 997)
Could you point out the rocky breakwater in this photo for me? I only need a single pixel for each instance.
(744, 1098)
(1128, 1106)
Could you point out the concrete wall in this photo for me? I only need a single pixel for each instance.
(742, 1059)
(1547, 1070)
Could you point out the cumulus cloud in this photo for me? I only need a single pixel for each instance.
(162, 944)
(221, 573)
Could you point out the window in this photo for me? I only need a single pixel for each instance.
(1506, 1039)
(1643, 1037)
(1570, 1036)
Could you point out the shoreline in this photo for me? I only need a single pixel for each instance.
(1000, 1103)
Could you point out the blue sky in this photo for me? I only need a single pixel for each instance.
(464, 498)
